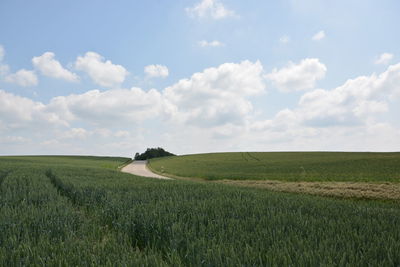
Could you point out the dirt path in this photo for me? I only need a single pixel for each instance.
(139, 168)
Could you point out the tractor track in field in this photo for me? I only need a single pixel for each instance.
(80, 205)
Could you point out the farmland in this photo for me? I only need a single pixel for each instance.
(285, 166)
(81, 211)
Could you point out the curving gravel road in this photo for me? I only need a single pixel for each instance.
(139, 168)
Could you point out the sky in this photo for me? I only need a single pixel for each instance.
(197, 76)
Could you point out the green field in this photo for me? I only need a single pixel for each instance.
(80, 211)
(285, 166)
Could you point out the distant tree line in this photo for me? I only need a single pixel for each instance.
(153, 153)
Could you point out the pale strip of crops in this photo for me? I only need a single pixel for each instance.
(357, 190)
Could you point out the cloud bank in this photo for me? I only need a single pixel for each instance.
(209, 111)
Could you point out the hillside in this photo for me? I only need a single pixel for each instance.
(285, 166)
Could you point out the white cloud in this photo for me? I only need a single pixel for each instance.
(211, 110)
(318, 36)
(221, 95)
(23, 78)
(49, 66)
(210, 9)
(354, 102)
(215, 96)
(384, 59)
(345, 118)
(20, 112)
(297, 77)
(214, 43)
(153, 71)
(284, 39)
(369, 137)
(103, 73)
(109, 107)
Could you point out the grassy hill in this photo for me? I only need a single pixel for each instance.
(285, 166)
(80, 211)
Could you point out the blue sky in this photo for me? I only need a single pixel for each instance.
(115, 77)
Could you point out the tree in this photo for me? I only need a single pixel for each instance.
(153, 153)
